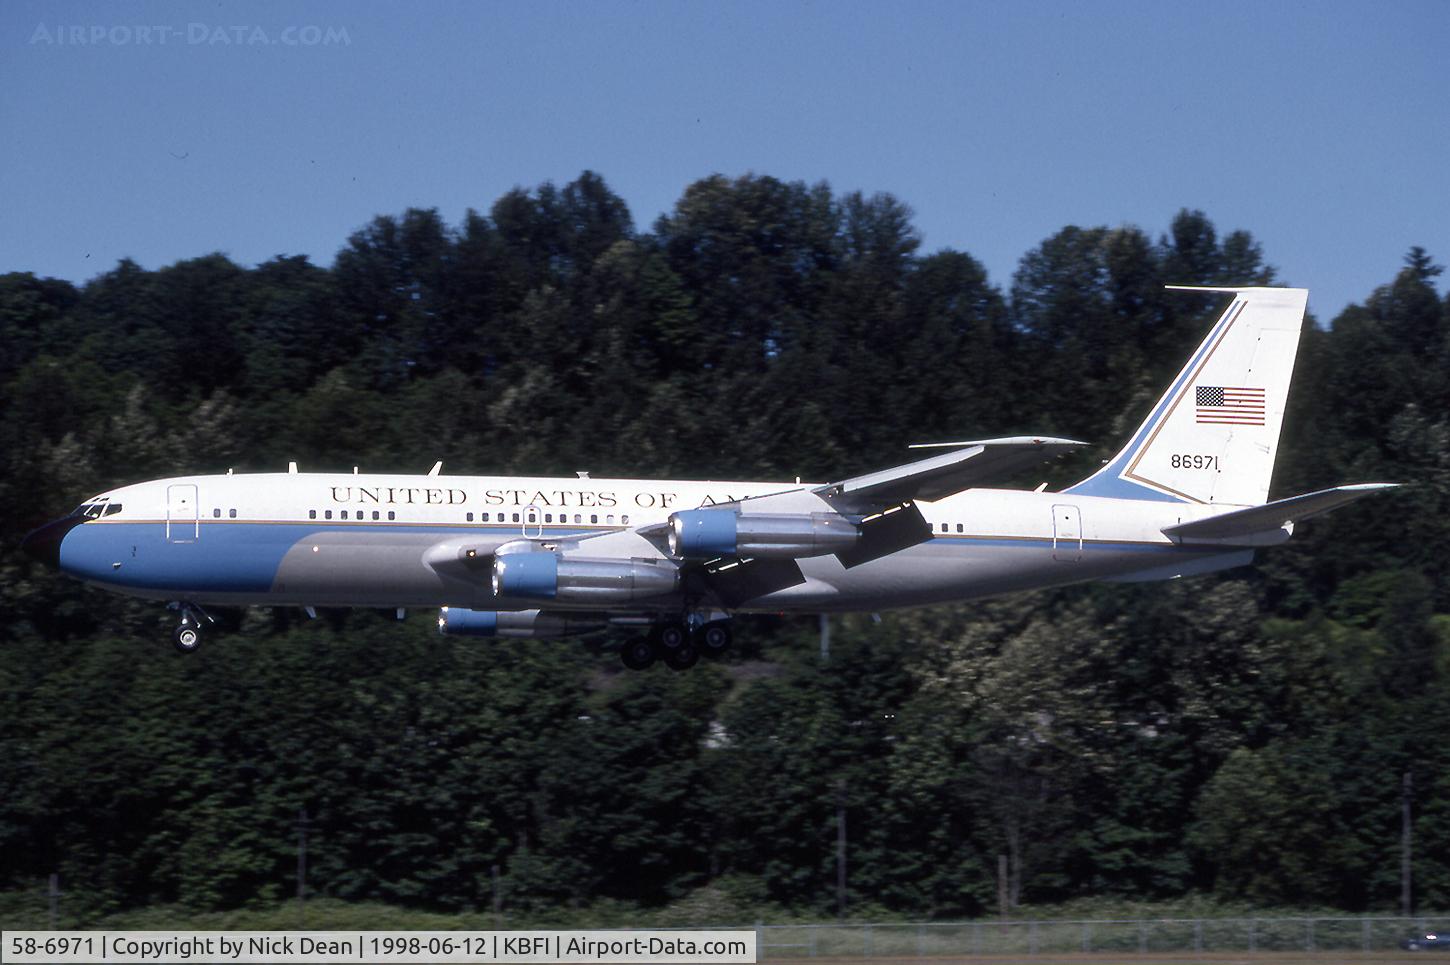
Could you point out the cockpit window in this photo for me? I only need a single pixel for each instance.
(96, 509)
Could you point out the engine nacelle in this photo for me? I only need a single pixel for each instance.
(707, 533)
(548, 576)
(520, 624)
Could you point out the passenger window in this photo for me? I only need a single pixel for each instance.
(594, 517)
(624, 520)
(578, 518)
(470, 517)
(548, 517)
(610, 519)
(516, 517)
(327, 513)
(344, 514)
(944, 527)
(232, 513)
(484, 517)
(376, 514)
(392, 515)
(312, 514)
(959, 527)
(216, 514)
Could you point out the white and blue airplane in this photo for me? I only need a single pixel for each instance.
(545, 557)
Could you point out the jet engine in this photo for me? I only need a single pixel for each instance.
(548, 576)
(704, 533)
(521, 624)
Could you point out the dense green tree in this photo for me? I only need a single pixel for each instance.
(1245, 733)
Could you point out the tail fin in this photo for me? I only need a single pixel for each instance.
(1213, 436)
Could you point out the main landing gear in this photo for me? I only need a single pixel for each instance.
(679, 646)
(187, 635)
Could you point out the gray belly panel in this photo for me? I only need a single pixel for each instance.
(377, 570)
(946, 570)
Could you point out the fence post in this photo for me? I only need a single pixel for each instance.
(53, 894)
(1364, 927)
(870, 943)
(920, 941)
(976, 938)
(759, 941)
(1309, 935)
(1087, 937)
(1253, 927)
(1142, 937)
(814, 930)
(1198, 935)
(1032, 938)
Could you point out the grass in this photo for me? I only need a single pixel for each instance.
(711, 906)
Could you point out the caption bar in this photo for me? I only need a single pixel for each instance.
(309, 948)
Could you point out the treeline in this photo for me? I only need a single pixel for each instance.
(1246, 734)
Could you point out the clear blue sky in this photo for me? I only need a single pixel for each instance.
(1322, 127)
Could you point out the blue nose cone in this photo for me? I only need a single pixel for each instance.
(43, 544)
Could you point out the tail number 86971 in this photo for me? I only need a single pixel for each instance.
(1186, 461)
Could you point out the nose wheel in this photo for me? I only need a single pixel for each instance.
(187, 638)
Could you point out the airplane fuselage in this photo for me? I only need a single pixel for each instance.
(394, 540)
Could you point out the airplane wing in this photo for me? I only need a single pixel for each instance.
(1244, 524)
(885, 500)
(970, 464)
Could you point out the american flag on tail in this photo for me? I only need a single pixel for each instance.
(1229, 405)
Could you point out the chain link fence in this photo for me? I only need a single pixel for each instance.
(1129, 936)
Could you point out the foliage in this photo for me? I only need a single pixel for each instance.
(1244, 735)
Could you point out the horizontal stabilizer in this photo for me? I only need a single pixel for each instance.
(975, 464)
(1259, 520)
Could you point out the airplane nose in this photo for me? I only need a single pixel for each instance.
(43, 544)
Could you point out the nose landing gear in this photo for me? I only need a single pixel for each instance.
(187, 635)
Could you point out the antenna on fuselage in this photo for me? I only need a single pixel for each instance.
(437, 467)
(292, 468)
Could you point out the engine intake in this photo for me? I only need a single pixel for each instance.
(704, 533)
(548, 576)
(520, 624)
